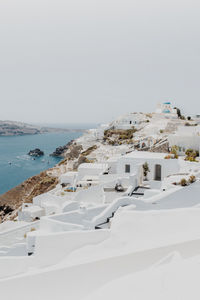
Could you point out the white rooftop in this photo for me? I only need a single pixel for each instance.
(93, 166)
(90, 177)
(33, 208)
(145, 154)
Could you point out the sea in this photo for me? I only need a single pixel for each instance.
(16, 165)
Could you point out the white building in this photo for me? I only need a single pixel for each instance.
(167, 110)
(91, 169)
(159, 166)
(30, 213)
(128, 121)
(186, 137)
(68, 178)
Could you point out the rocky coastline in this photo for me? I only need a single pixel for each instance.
(61, 150)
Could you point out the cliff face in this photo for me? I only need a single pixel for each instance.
(34, 186)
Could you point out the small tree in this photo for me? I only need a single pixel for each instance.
(145, 170)
(183, 182)
(174, 150)
(178, 111)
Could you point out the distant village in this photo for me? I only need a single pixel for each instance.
(126, 208)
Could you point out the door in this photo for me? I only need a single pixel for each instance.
(158, 172)
(127, 168)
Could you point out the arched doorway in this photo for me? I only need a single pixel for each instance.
(158, 172)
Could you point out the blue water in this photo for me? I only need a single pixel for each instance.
(14, 150)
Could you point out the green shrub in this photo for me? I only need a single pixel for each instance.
(110, 142)
(192, 179)
(183, 182)
(191, 159)
(189, 152)
(189, 124)
(191, 155)
(174, 150)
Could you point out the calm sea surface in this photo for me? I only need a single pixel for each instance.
(16, 165)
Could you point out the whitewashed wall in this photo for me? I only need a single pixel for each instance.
(169, 166)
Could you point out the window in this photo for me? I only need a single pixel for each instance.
(127, 168)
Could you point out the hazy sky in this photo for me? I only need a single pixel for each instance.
(90, 61)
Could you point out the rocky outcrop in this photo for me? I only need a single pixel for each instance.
(82, 159)
(60, 151)
(89, 150)
(4, 211)
(72, 153)
(119, 136)
(36, 152)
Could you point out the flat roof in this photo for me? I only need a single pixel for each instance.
(145, 154)
(93, 165)
(90, 177)
(33, 208)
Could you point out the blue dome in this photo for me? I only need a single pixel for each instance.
(169, 103)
